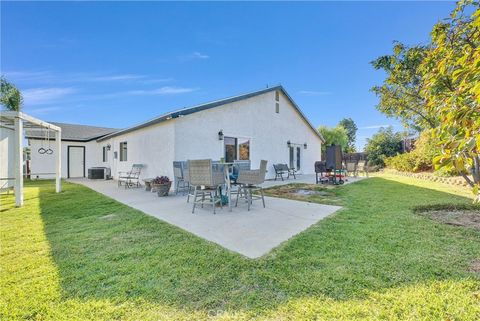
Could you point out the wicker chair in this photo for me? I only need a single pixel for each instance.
(239, 165)
(206, 183)
(250, 182)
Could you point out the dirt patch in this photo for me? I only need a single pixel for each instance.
(306, 192)
(475, 266)
(457, 217)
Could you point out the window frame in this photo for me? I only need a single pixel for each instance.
(237, 139)
(123, 147)
(105, 154)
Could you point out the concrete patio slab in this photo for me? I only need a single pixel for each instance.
(251, 233)
(305, 179)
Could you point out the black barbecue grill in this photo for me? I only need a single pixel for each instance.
(331, 170)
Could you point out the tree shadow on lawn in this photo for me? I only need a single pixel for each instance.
(104, 249)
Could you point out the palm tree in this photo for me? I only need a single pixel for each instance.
(10, 98)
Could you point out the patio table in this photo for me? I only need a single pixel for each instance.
(228, 185)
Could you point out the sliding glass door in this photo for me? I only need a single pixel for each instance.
(295, 153)
(230, 149)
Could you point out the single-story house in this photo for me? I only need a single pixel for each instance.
(265, 124)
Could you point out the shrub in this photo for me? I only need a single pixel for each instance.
(385, 143)
(418, 160)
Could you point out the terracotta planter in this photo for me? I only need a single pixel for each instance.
(162, 189)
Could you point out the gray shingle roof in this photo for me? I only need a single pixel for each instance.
(74, 132)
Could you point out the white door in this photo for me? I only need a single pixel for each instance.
(76, 156)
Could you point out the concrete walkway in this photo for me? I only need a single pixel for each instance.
(251, 233)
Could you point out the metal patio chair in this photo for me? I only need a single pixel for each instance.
(132, 177)
(181, 183)
(351, 168)
(362, 167)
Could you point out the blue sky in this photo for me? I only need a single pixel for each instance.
(117, 64)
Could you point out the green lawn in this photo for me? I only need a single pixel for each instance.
(80, 255)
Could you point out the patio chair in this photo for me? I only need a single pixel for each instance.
(291, 171)
(206, 183)
(363, 167)
(131, 178)
(181, 184)
(250, 182)
(279, 171)
(283, 169)
(186, 177)
(239, 165)
(351, 168)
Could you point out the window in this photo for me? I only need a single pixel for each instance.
(123, 151)
(277, 95)
(277, 108)
(243, 149)
(105, 154)
(236, 149)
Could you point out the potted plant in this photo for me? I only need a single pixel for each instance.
(162, 185)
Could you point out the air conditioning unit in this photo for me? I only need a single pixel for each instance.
(99, 173)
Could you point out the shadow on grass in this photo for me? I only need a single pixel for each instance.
(106, 250)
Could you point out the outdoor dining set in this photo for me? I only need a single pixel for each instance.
(214, 182)
(204, 181)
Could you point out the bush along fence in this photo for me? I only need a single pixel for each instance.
(457, 180)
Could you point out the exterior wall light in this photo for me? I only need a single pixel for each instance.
(109, 147)
(220, 134)
(305, 146)
(288, 143)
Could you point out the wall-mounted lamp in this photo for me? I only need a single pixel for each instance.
(109, 147)
(288, 143)
(305, 146)
(220, 134)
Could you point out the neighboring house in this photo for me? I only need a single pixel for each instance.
(265, 124)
